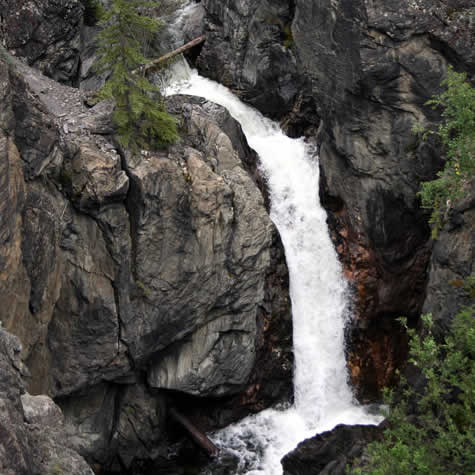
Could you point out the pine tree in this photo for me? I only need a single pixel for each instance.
(140, 115)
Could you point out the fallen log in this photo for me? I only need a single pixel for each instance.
(156, 62)
(198, 436)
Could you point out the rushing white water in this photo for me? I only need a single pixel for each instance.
(318, 292)
(175, 22)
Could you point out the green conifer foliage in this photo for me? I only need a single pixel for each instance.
(140, 115)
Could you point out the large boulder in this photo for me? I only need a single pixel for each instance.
(331, 452)
(189, 245)
(201, 251)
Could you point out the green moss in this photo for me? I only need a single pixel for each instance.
(451, 12)
(6, 56)
(288, 40)
(457, 135)
(273, 20)
(285, 30)
(431, 430)
(65, 178)
(56, 469)
(146, 292)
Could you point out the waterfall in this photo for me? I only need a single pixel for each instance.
(318, 291)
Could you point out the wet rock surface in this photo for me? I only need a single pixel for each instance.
(329, 453)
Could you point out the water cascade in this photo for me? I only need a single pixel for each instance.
(318, 290)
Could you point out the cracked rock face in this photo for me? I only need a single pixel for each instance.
(32, 437)
(97, 178)
(202, 248)
(248, 49)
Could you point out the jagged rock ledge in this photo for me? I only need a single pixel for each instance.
(331, 452)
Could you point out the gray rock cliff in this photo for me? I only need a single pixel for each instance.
(128, 275)
(46, 34)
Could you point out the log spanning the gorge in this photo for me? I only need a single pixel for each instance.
(156, 62)
(195, 433)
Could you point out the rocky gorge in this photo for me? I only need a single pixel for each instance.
(140, 282)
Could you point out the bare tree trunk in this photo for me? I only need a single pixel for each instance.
(198, 436)
(157, 62)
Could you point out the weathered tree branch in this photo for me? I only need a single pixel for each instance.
(195, 433)
(156, 62)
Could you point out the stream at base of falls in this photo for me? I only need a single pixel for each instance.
(318, 290)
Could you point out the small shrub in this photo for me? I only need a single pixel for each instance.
(457, 134)
(437, 435)
(145, 291)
